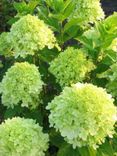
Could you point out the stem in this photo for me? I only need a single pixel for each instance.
(61, 34)
(92, 152)
(34, 60)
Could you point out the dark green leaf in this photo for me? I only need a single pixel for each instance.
(67, 150)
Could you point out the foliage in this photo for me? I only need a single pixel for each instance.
(28, 36)
(99, 39)
(84, 114)
(21, 84)
(6, 12)
(5, 46)
(56, 15)
(111, 75)
(57, 59)
(71, 66)
(17, 8)
(19, 136)
(23, 8)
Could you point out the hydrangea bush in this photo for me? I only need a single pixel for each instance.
(58, 70)
(22, 137)
(84, 114)
(71, 66)
(21, 84)
(29, 35)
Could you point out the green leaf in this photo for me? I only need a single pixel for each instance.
(111, 21)
(67, 150)
(106, 149)
(20, 7)
(58, 16)
(66, 4)
(47, 55)
(34, 114)
(87, 151)
(109, 58)
(63, 11)
(55, 138)
(32, 4)
(9, 113)
(86, 42)
(56, 5)
(74, 33)
(13, 20)
(23, 8)
(72, 23)
(68, 10)
(83, 151)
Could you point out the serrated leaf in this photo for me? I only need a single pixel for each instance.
(68, 10)
(55, 138)
(106, 149)
(20, 7)
(47, 55)
(72, 23)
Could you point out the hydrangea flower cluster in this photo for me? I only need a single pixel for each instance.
(88, 10)
(71, 66)
(5, 46)
(29, 35)
(84, 114)
(22, 137)
(21, 84)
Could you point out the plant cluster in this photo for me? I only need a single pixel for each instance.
(58, 73)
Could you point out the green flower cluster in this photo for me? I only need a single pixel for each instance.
(22, 137)
(22, 84)
(71, 66)
(5, 46)
(88, 10)
(84, 114)
(29, 35)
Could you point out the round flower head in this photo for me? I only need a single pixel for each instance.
(22, 137)
(84, 114)
(29, 35)
(88, 10)
(21, 84)
(71, 66)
